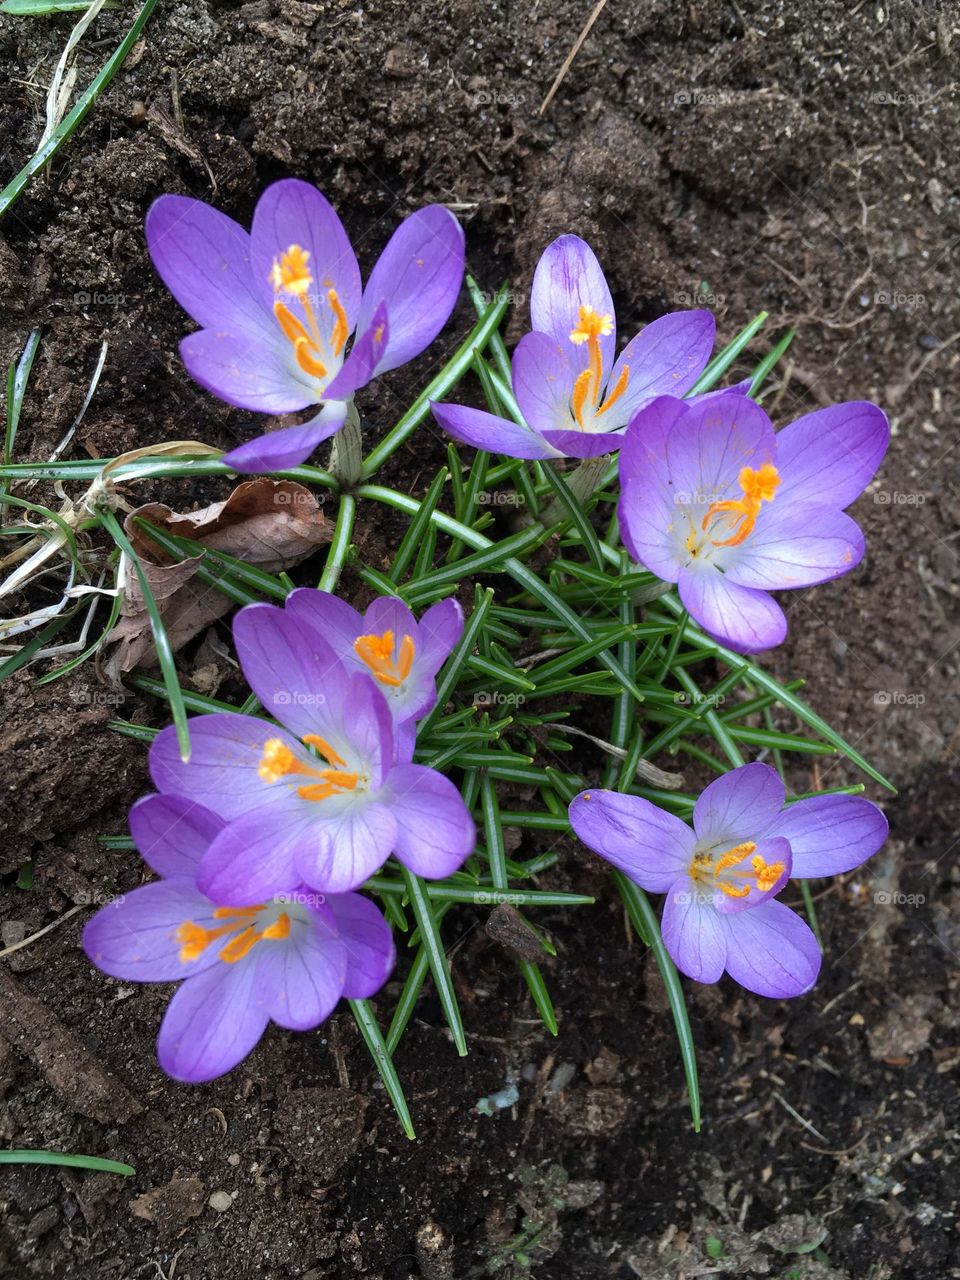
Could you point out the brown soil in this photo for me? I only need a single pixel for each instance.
(798, 158)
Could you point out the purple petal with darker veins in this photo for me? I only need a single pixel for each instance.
(135, 937)
(692, 932)
(292, 212)
(710, 444)
(485, 431)
(830, 834)
(795, 545)
(830, 456)
(172, 833)
(288, 447)
(389, 613)
(542, 382)
(297, 678)
(740, 805)
(435, 832)
(245, 370)
(664, 359)
(211, 1024)
(368, 942)
(203, 257)
(584, 444)
(418, 276)
(440, 630)
(222, 771)
(568, 277)
(745, 620)
(646, 843)
(643, 449)
(300, 979)
(365, 359)
(337, 622)
(349, 847)
(771, 951)
(648, 512)
(255, 857)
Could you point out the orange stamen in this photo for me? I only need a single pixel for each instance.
(617, 391)
(341, 330)
(765, 875)
(290, 272)
(278, 761)
(377, 653)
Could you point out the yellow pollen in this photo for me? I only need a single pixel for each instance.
(377, 652)
(278, 761)
(290, 273)
(757, 487)
(764, 874)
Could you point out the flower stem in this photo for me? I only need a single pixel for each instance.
(346, 459)
(580, 485)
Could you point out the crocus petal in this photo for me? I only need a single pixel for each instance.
(435, 832)
(771, 951)
(486, 431)
(692, 932)
(748, 621)
(664, 359)
(135, 937)
(288, 447)
(647, 844)
(568, 277)
(365, 359)
(440, 630)
(255, 856)
(739, 805)
(172, 833)
(297, 679)
(291, 212)
(348, 848)
(796, 545)
(830, 834)
(300, 980)
(211, 1024)
(648, 512)
(644, 446)
(245, 370)
(418, 276)
(583, 444)
(222, 771)
(368, 943)
(337, 622)
(774, 852)
(389, 613)
(830, 456)
(542, 382)
(710, 444)
(203, 257)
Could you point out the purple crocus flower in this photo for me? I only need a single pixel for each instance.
(575, 395)
(387, 643)
(721, 878)
(712, 499)
(325, 798)
(277, 306)
(287, 959)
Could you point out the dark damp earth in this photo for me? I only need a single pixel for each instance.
(796, 158)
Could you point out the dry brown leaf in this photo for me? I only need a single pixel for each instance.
(271, 524)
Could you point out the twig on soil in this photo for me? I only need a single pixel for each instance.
(25, 942)
(798, 1117)
(568, 61)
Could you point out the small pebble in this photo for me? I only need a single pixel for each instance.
(221, 1201)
